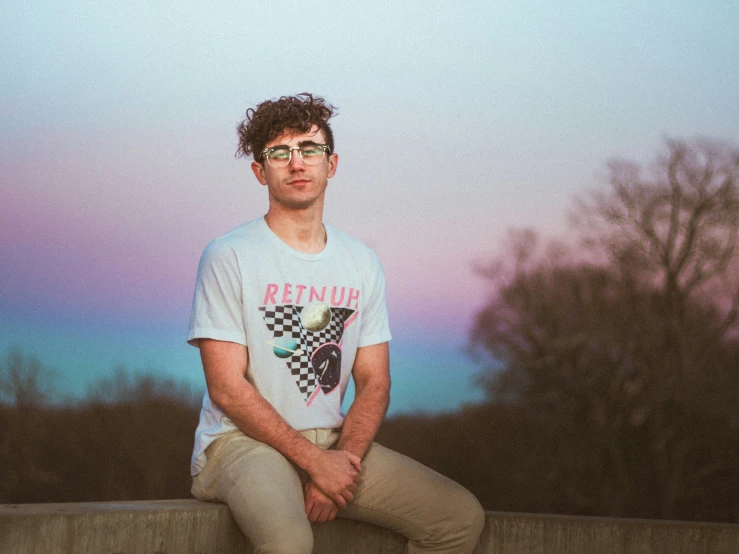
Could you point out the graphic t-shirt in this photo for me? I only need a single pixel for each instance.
(301, 316)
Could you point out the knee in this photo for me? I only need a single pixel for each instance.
(473, 513)
(466, 520)
(476, 515)
(298, 540)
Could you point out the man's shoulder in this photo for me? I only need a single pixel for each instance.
(348, 242)
(251, 231)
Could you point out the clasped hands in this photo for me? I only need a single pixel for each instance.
(334, 477)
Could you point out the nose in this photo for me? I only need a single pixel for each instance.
(296, 161)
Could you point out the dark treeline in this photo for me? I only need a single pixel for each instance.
(612, 386)
(131, 439)
(140, 450)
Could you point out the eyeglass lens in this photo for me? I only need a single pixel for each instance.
(312, 154)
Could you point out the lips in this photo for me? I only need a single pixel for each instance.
(298, 182)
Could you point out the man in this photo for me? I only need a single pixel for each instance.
(285, 311)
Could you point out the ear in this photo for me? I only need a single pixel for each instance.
(259, 173)
(333, 162)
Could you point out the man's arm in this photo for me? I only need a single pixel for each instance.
(335, 471)
(371, 374)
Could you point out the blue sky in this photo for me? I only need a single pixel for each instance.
(457, 121)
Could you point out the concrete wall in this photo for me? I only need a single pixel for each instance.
(194, 527)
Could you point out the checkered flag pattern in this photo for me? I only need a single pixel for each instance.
(284, 321)
(333, 331)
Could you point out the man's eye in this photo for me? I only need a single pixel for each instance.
(311, 151)
(279, 154)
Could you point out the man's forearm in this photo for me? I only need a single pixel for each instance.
(225, 364)
(335, 473)
(364, 418)
(256, 417)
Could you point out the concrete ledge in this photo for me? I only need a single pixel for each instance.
(194, 527)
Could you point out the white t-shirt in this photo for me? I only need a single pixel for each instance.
(301, 316)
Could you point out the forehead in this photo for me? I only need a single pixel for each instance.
(290, 137)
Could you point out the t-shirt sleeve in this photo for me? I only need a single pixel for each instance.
(375, 328)
(217, 305)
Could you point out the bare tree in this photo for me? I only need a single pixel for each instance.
(678, 232)
(24, 381)
(629, 353)
(677, 229)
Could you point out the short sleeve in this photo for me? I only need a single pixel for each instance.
(217, 306)
(375, 328)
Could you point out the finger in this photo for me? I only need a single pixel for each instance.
(356, 462)
(332, 514)
(348, 496)
(339, 500)
(319, 512)
(312, 514)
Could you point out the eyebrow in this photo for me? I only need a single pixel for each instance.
(300, 144)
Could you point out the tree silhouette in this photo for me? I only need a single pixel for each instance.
(627, 351)
(24, 380)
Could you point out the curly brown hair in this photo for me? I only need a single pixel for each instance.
(272, 117)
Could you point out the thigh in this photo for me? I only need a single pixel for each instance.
(261, 487)
(401, 494)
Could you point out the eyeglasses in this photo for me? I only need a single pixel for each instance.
(311, 154)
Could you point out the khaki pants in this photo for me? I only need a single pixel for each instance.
(265, 494)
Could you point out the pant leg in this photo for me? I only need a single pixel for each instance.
(435, 513)
(262, 489)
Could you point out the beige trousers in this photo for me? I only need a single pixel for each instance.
(265, 494)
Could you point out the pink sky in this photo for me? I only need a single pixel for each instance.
(117, 142)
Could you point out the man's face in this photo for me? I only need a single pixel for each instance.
(297, 185)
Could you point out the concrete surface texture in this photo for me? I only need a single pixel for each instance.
(194, 527)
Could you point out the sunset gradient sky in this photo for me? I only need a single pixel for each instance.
(457, 121)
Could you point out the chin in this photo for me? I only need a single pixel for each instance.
(296, 204)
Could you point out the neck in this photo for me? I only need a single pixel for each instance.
(302, 230)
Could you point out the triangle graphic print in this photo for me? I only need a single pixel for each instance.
(313, 358)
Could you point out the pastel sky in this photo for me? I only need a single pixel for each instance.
(457, 121)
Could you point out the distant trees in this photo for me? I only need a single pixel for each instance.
(627, 352)
(23, 380)
(23, 395)
(130, 439)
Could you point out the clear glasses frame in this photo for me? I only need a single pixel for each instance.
(308, 160)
